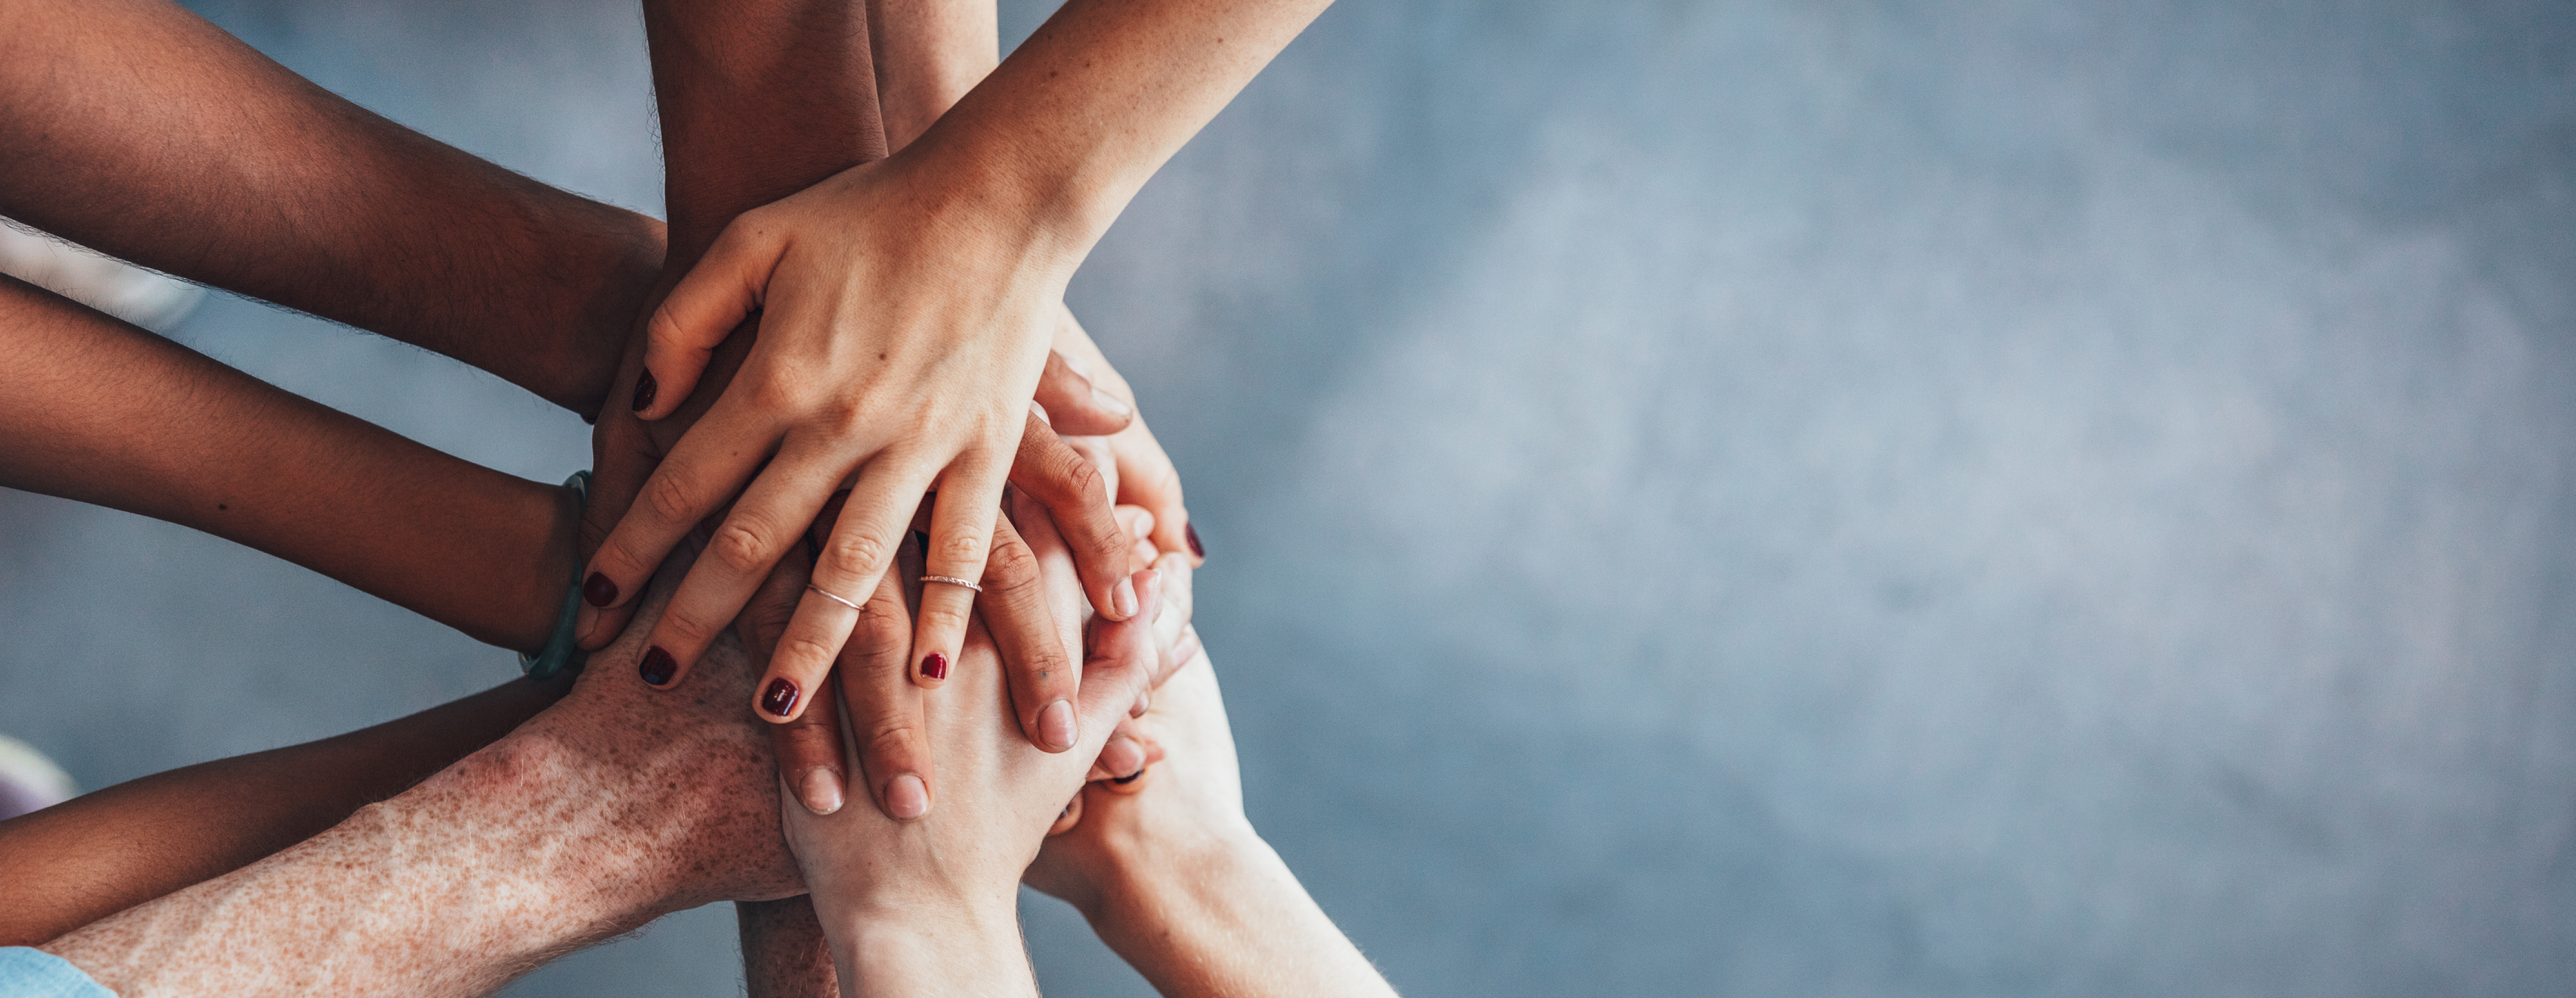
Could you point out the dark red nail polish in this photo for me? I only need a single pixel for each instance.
(599, 589)
(645, 389)
(935, 666)
(657, 667)
(780, 698)
(1191, 533)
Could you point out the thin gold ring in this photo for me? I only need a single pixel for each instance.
(952, 580)
(829, 596)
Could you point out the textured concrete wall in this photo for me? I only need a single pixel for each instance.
(1705, 497)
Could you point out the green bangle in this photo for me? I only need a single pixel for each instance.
(559, 650)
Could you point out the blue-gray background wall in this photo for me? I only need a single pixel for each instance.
(1764, 498)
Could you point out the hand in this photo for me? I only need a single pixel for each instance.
(884, 887)
(901, 342)
(1143, 474)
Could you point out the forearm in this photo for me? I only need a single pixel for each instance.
(126, 131)
(1225, 916)
(503, 861)
(95, 410)
(784, 954)
(928, 54)
(1069, 127)
(758, 101)
(104, 852)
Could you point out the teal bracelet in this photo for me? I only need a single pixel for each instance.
(559, 651)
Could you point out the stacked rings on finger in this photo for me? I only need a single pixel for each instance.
(952, 580)
(827, 594)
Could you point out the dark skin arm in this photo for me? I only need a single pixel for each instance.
(333, 210)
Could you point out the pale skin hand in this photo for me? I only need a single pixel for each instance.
(614, 807)
(1172, 876)
(906, 310)
(928, 905)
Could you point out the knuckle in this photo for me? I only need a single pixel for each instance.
(668, 499)
(891, 740)
(1084, 480)
(803, 649)
(743, 547)
(1010, 566)
(690, 624)
(883, 629)
(854, 555)
(950, 617)
(962, 547)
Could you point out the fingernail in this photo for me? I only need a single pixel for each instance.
(1040, 412)
(1123, 756)
(822, 790)
(599, 589)
(657, 667)
(1122, 599)
(1076, 365)
(907, 798)
(1114, 404)
(1191, 533)
(1144, 702)
(934, 666)
(780, 697)
(645, 389)
(1055, 725)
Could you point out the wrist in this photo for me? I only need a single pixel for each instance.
(1153, 872)
(954, 947)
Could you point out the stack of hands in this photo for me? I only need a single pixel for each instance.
(883, 583)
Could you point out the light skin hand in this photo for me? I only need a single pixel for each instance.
(928, 905)
(1172, 876)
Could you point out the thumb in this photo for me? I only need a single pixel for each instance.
(701, 311)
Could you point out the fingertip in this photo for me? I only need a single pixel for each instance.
(907, 798)
(820, 790)
(1122, 600)
(933, 670)
(657, 668)
(779, 700)
(1057, 728)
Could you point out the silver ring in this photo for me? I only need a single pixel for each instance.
(833, 598)
(952, 580)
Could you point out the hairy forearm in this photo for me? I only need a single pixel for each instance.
(1224, 916)
(104, 852)
(493, 866)
(102, 412)
(784, 953)
(126, 132)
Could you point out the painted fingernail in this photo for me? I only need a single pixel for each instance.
(1191, 533)
(822, 790)
(599, 589)
(780, 697)
(1122, 598)
(657, 667)
(1115, 405)
(907, 798)
(934, 666)
(645, 389)
(1055, 725)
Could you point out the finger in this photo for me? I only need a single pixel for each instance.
(808, 748)
(961, 531)
(885, 707)
(622, 460)
(763, 525)
(1171, 618)
(701, 473)
(860, 546)
(1075, 498)
(1118, 657)
(1042, 678)
(1075, 405)
(1146, 478)
(725, 285)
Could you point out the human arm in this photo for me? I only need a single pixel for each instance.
(903, 309)
(125, 132)
(108, 850)
(99, 411)
(613, 807)
(1173, 877)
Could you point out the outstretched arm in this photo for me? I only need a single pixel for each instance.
(124, 131)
